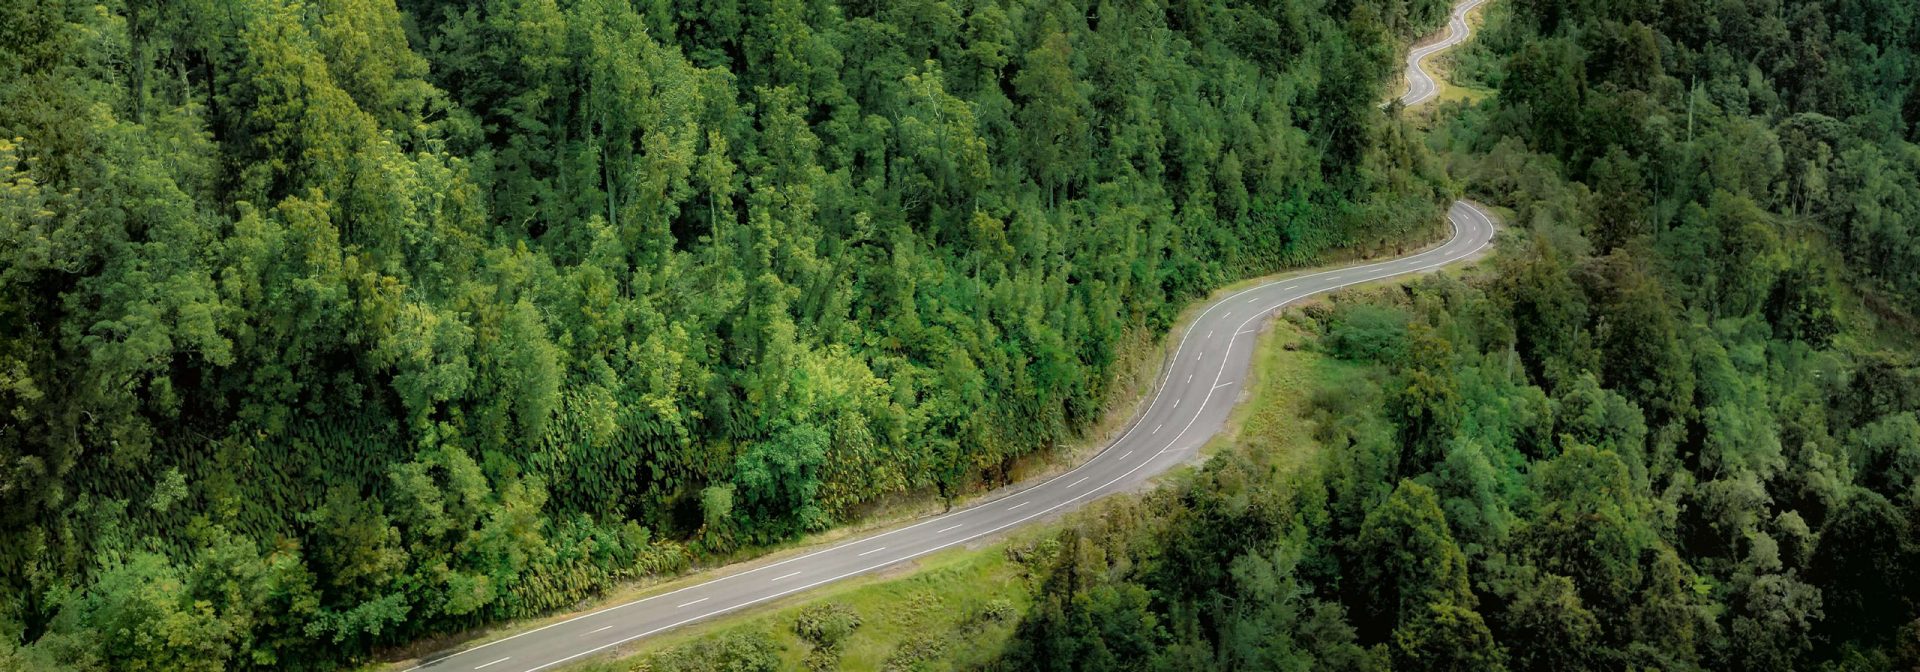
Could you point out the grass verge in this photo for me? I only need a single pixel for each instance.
(1271, 419)
(948, 610)
(957, 609)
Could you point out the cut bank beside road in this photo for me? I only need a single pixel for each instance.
(1151, 365)
(1168, 433)
(572, 639)
(948, 613)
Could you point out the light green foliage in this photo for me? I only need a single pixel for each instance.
(778, 479)
(1407, 559)
(1886, 453)
(148, 619)
(1671, 428)
(360, 321)
(824, 627)
(1367, 332)
(1544, 536)
(733, 652)
(1446, 637)
(467, 311)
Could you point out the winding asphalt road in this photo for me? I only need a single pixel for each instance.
(1420, 85)
(1198, 390)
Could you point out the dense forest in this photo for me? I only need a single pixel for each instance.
(1674, 424)
(330, 325)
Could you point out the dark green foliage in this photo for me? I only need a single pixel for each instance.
(449, 313)
(824, 626)
(1865, 572)
(1406, 562)
(1368, 332)
(750, 651)
(1673, 428)
(1537, 538)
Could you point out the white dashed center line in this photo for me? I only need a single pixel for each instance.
(1177, 446)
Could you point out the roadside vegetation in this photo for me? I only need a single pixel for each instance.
(1675, 425)
(981, 592)
(950, 610)
(1673, 429)
(329, 326)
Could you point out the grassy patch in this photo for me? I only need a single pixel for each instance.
(1271, 422)
(1443, 65)
(953, 609)
(1142, 354)
(1450, 92)
(956, 609)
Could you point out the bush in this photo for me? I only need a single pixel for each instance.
(825, 627)
(1367, 332)
(749, 651)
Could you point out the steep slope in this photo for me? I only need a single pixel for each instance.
(332, 325)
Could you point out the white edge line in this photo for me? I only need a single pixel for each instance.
(856, 572)
(1137, 424)
(1426, 88)
(962, 540)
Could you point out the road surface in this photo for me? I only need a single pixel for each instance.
(1420, 84)
(1199, 387)
(1197, 391)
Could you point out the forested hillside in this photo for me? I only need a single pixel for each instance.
(1673, 426)
(329, 325)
